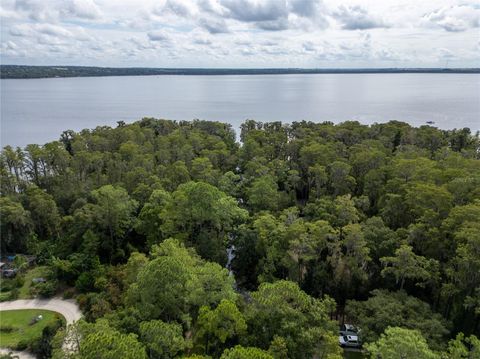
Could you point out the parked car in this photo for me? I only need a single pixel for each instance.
(349, 328)
(349, 336)
(39, 280)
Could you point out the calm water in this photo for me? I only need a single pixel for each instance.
(37, 111)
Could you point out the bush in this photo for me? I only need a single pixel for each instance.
(69, 293)
(7, 285)
(22, 345)
(6, 329)
(85, 282)
(47, 289)
(42, 347)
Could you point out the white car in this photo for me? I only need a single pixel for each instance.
(349, 340)
(349, 337)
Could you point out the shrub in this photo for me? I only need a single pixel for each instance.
(69, 293)
(42, 347)
(6, 329)
(47, 289)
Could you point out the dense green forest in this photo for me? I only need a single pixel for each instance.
(29, 72)
(378, 226)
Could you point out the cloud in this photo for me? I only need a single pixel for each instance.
(253, 33)
(309, 46)
(52, 30)
(256, 11)
(81, 9)
(454, 18)
(26, 30)
(214, 25)
(179, 7)
(158, 36)
(271, 15)
(275, 15)
(357, 18)
(202, 40)
(307, 8)
(54, 11)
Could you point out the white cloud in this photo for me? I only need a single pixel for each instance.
(357, 18)
(454, 18)
(158, 35)
(83, 9)
(246, 33)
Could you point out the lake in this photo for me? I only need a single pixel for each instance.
(38, 110)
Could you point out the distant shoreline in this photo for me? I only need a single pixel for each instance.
(32, 72)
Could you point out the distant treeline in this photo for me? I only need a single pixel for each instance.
(26, 72)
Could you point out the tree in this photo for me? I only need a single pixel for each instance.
(176, 283)
(15, 225)
(344, 211)
(135, 263)
(162, 340)
(151, 217)
(239, 352)
(96, 340)
(262, 194)
(215, 328)
(424, 197)
(400, 343)
(340, 179)
(162, 289)
(202, 215)
(271, 246)
(407, 265)
(463, 272)
(395, 309)
(282, 309)
(463, 347)
(306, 242)
(43, 211)
(113, 212)
(349, 258)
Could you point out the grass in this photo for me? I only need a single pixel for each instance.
(20, 286)
(24, 290)
(15, 328)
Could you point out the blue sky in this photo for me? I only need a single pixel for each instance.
(241, 33)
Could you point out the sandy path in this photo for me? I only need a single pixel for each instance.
(66, 307)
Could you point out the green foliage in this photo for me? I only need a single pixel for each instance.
(175, 284)
(281, 309)
(463, 347)
(399, 343)
(15, 225)
(162, 340)
(407, 265)
(240, 352)
(384, 309)
(113, 213)
(262, 195)
(215, 327)
(98, 340)
(196, 212)
(340, 210)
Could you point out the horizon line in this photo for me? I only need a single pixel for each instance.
(253, 68)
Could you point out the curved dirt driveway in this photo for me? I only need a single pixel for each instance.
(66, 307)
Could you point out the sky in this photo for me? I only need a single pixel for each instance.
(241, 33)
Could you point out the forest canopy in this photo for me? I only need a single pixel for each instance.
(376, 225)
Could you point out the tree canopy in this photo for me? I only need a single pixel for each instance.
(374, 225)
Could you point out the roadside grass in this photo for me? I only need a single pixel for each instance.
(16, 331)
(24, 290)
